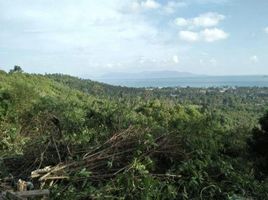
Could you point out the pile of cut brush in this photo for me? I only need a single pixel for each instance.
(116, 155)
(41, 165)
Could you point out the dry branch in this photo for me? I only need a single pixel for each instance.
(119, 150)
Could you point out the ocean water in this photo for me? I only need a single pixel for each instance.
(197, 81)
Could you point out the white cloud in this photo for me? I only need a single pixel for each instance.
(254, 59)
(138, 30)
(110, 65)
(150, 4)
(206, 61)
(135, 6)
(181, 22)
(207, 35)
(211, 1)
(175, 59)
(171, 6)
(214, 34)
(204, 20)
(213, 61)
(144, 5)
(266, 30)
(208, 19)
(189, 36)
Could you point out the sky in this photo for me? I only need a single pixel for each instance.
(88, 38)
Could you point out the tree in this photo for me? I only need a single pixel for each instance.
(259, 144)
(16, 69)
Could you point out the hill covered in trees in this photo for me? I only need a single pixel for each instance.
(98, 141)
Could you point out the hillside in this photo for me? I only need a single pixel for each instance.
(105, 142)
(93, 87)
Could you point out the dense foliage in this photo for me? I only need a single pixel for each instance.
(181, 143)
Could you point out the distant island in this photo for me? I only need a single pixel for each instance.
(181, 79)
(147, 75)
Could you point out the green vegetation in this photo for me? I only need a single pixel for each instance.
(126, 143)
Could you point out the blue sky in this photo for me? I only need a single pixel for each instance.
(88, 38)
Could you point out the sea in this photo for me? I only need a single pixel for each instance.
(195, 81)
